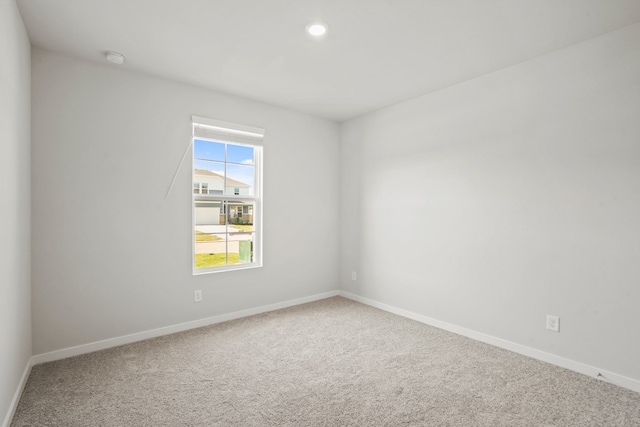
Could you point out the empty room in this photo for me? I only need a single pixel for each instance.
(319, 213)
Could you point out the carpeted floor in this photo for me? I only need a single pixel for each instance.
(333, 362)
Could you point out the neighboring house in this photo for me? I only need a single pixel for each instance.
(207, 182)
(214, 212)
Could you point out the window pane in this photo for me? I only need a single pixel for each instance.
(240, 216)
(240, 154)
(237, 228)
(210, 217)
(210, 174)
(240, 248)
(210, 166)
(211, 249)
(240, 180)
(208, 150)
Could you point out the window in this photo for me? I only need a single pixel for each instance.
(227, 202)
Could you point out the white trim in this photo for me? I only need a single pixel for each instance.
(218, 131)
(601, 374)
(224, 268)
(613, 378)
(153, 333)
(16, 397)
(227, 126)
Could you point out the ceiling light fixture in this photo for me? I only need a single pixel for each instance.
(114, 57)
(317, 29)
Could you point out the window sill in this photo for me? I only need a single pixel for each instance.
(201, 271)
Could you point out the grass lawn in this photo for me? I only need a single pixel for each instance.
(242, 227)
(215, 260)
(204, 237)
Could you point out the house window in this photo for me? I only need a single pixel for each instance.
(227, 232)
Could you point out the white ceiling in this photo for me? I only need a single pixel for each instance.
(377, 52)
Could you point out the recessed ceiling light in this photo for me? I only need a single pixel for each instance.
(317, 29)
(114, 57)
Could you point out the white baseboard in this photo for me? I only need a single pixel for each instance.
(18, 393)
(153, 333)
(601, 374)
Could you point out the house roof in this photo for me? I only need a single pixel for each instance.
(230, 181)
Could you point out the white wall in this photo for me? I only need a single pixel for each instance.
(111, 255)
(15, 196)
(525, 186)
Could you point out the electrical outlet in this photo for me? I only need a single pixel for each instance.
(197, 296)
(553, 323)
(353, 275)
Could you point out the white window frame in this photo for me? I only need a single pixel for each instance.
(230, 133)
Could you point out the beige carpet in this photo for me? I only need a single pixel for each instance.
(329, 363)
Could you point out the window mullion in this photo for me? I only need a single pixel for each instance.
(226, 233)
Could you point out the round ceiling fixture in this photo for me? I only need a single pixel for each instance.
(317, 29)
(114, 57)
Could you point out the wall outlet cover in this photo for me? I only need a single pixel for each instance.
(553, 323)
